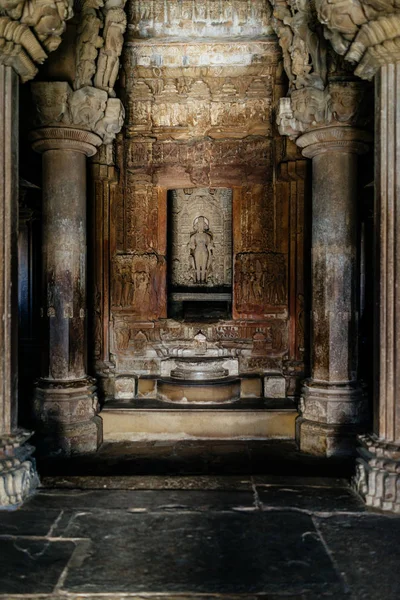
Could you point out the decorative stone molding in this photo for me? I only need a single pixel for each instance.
(377, 477)
(366, 32)
(29, 29)
(18, 477)
(334, 139)
(63, 138)
(67, 420)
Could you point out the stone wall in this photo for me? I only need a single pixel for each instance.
(200, 114)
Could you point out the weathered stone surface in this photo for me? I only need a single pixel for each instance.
(65, 399)
(186, 20)
(332, 401)
(365, 539)
(198, 119)
(32, 566)
(310, 498)
(18, 477)
(184, 566)
(29, 30)
(378, 469)
(145, 500)
(365, 32)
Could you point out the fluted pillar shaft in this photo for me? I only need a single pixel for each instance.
(65, 399)
(378, 469)
(17, 468)
(333, 408)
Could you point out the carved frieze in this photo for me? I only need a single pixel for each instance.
(254, 219)
(254, 151)
(185, 18)
(187, 111)
(140, 218)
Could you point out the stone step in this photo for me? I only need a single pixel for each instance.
(154, 419)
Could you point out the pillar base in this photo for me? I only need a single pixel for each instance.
(377, 477)
(331, 417)
(66, 417)
(18, 476)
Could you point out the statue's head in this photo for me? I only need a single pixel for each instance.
(201, 224)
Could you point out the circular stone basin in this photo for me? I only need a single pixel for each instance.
(199, 368)
(220, 391)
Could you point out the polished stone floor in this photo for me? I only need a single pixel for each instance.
(200, 521)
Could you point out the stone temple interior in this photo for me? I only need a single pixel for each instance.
(206, 239)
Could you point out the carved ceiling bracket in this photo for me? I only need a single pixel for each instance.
(29, 30)
(322, 91)
(90, 103)
(365, 32)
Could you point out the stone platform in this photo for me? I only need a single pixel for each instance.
(151, 419)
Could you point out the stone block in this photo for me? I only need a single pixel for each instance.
(274, 386)
(125, 387)
(251, 387)
(146, 388)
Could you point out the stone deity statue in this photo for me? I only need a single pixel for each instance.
(201, 249)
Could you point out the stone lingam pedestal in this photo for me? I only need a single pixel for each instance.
(200, 380)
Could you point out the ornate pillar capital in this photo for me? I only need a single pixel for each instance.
(81, 120)
(340, 106)
(333, 139)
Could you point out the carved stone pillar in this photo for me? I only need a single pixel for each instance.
(333, 406)
(18, 476)
(378, 469)
(72, 119)
(104, 179)
(65, 399)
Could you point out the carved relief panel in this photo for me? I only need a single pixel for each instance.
(139, 285)
(201, 237)
(261, 252)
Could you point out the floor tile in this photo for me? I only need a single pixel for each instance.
(22, 522)
(150, 500)
(366, 549)
(32, 566)
(204, 553)
(314, 499)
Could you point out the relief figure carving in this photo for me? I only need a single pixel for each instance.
(201, 249)
(260, 281)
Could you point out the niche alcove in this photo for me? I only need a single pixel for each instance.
(200, 132)
(199, 254)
